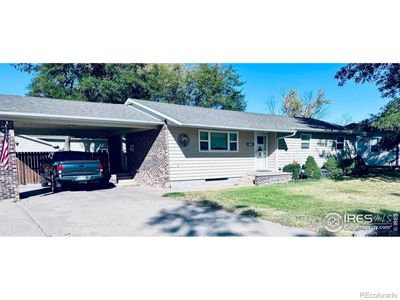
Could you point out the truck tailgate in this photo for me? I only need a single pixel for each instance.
(80, 167)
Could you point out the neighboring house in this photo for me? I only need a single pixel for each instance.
(169, 144)
(368, 146)
(43, 143)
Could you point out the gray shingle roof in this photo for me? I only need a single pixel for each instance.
(213, 118)
(186, 115)
(65, 108)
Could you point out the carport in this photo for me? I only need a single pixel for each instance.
(44, 116)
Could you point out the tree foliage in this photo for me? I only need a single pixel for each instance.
(215, 86)
(387, 79)
(207, 85)
(306, 107)
(385, 76)
(388, 120)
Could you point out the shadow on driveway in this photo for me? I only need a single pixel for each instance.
(200, 220)
(45, 191)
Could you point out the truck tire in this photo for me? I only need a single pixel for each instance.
(54, 187)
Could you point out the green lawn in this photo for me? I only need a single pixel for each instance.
(304, 203)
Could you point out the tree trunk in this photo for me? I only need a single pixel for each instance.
(67, 143)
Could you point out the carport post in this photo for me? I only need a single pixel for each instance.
(115, 153)
(67, 143)
(8, 178)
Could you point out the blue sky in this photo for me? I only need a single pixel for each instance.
(266, 81)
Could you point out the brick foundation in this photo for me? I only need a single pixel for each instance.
(267, 179)
(8, 179)
(149, 159)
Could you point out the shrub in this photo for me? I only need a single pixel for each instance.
(354, 166)
(332, 166)
(293, 168)
(311, 169)
(359, 166)
(346, 165)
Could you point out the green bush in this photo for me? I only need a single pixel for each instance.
(354, 166)
(332, 166)
(311, 169)
(293, 168)
(359, 166)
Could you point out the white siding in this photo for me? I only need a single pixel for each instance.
(321, 146)
(188, 163)
(25, 145)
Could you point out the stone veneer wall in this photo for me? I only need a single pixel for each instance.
(149, 160)
(8, 180)
(272, 178)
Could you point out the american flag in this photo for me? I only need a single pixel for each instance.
(4, 149)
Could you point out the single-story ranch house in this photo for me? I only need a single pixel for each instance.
(171, 145)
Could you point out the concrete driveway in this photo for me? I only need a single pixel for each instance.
(124, 211)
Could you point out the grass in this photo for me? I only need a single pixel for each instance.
(174, 194)
(303, 204)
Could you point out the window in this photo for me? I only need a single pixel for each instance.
(218, 141)
(233, 142)
(374, 144)
(305, 141)
(340, 142)
(203, 141)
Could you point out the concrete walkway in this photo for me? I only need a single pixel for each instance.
(124, 211)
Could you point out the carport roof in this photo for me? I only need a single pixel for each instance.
(102, 113)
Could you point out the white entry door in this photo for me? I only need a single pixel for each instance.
(260, 151)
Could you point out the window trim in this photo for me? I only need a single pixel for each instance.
(340, 136)
(209, 141)
(309, 141)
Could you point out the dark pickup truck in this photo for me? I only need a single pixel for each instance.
(72, 167)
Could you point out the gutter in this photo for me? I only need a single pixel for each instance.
(118, 122)
(277, 150)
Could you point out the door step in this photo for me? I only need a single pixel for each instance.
(124, 176)
(127, 182)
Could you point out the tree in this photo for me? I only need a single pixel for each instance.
(207, 85)
(271, 106)
(215, 86)
(166, 83)
(387, 79)
(112, 83)
(385, 76)
(345, 119)
(306, 107)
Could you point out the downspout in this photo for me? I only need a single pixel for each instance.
(277, 150)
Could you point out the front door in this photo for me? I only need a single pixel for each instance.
(260, 147)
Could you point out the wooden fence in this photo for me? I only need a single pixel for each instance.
(29, 165)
